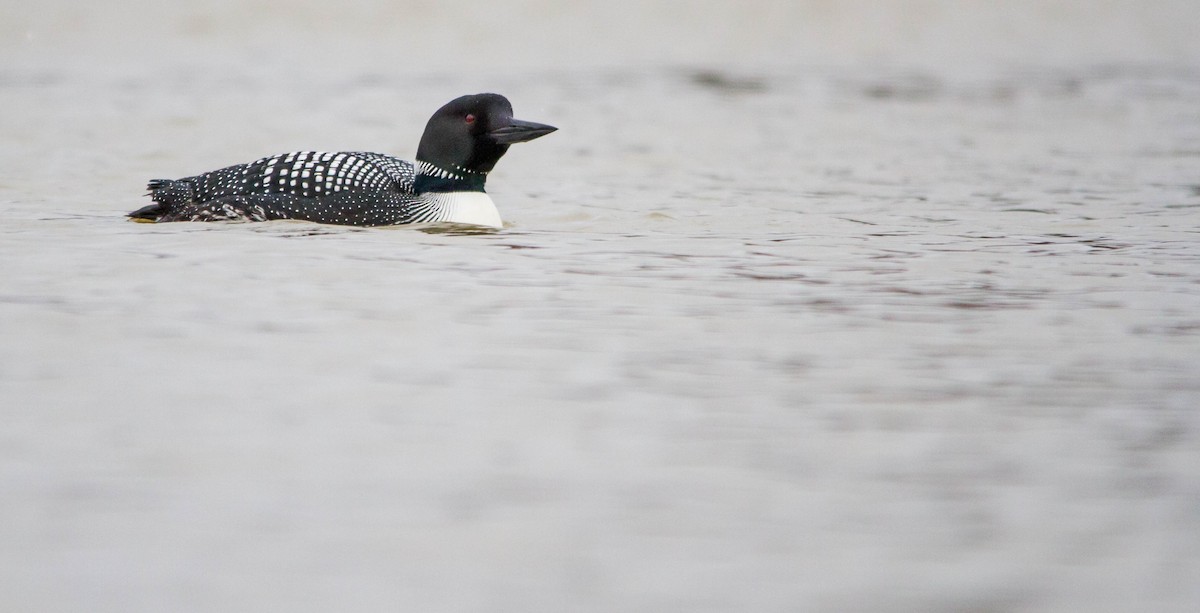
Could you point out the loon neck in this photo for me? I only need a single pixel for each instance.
(433, 178)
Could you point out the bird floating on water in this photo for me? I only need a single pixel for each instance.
(462, 143)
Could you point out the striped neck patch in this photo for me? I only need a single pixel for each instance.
(458, 173)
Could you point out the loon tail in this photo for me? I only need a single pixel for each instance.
(167, 194)
(156, 184)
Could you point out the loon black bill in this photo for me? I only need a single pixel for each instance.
(518, 131)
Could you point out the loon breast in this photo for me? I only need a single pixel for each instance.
(475, 208)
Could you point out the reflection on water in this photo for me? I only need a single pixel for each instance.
(453, 229)
(769, 339)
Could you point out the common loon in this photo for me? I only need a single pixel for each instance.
(462, 143)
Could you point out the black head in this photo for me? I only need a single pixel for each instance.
(465, 138)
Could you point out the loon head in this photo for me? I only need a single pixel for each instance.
(465, 138)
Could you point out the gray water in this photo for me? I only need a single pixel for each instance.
(758, 336)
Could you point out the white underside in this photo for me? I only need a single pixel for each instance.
(475, 208)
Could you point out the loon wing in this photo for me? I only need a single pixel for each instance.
(308, 174)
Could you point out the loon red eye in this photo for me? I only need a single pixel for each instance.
(470, 119)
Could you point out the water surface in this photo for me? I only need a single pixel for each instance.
(774, 339)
